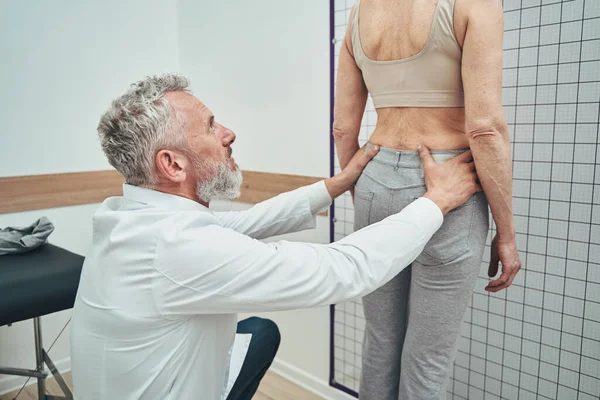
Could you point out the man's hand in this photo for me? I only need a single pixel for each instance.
(346, 179)
(356, 165)
(450, 184)
(507, 254)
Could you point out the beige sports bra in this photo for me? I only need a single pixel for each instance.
(430, 78)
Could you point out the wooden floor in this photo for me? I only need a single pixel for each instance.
(272, 387)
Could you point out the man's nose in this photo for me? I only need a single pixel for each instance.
(228, 136)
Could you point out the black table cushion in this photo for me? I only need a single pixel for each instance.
(38, 282)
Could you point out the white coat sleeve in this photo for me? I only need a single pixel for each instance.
(288, 212)
(217, 270)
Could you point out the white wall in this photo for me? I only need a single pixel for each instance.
(263, 69)
(62, 63)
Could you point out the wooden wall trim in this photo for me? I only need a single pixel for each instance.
(35, 192)
(260, 186)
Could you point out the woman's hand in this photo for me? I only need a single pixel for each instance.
(505, 253)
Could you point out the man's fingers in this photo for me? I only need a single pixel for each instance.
(425, 155)
(368, 155)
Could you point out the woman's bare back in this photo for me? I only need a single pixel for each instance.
(398, 29)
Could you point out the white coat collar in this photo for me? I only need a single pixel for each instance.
(160, 199)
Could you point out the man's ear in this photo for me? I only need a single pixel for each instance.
(171, 165)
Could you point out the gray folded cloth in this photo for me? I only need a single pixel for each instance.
(19, 240)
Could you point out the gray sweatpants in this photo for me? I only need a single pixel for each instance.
(413, 322)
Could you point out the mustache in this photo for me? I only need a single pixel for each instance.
(230, 152)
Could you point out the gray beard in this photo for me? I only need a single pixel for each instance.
(223, 183)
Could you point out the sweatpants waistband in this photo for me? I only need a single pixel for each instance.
(409, 158)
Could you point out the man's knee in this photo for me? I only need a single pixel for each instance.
(263, 330)
(270, 333)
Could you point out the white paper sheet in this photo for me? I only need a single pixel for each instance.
(238, 355)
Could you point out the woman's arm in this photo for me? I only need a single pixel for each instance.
(350, 100)
(488, 131)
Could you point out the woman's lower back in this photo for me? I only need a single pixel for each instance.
(405, 128)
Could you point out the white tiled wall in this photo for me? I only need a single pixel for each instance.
(540, 339)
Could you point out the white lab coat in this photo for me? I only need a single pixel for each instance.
(155, 313)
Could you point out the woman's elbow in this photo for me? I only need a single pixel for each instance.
(341, 133)
(495, 129)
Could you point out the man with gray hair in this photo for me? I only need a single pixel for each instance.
(156, 310)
